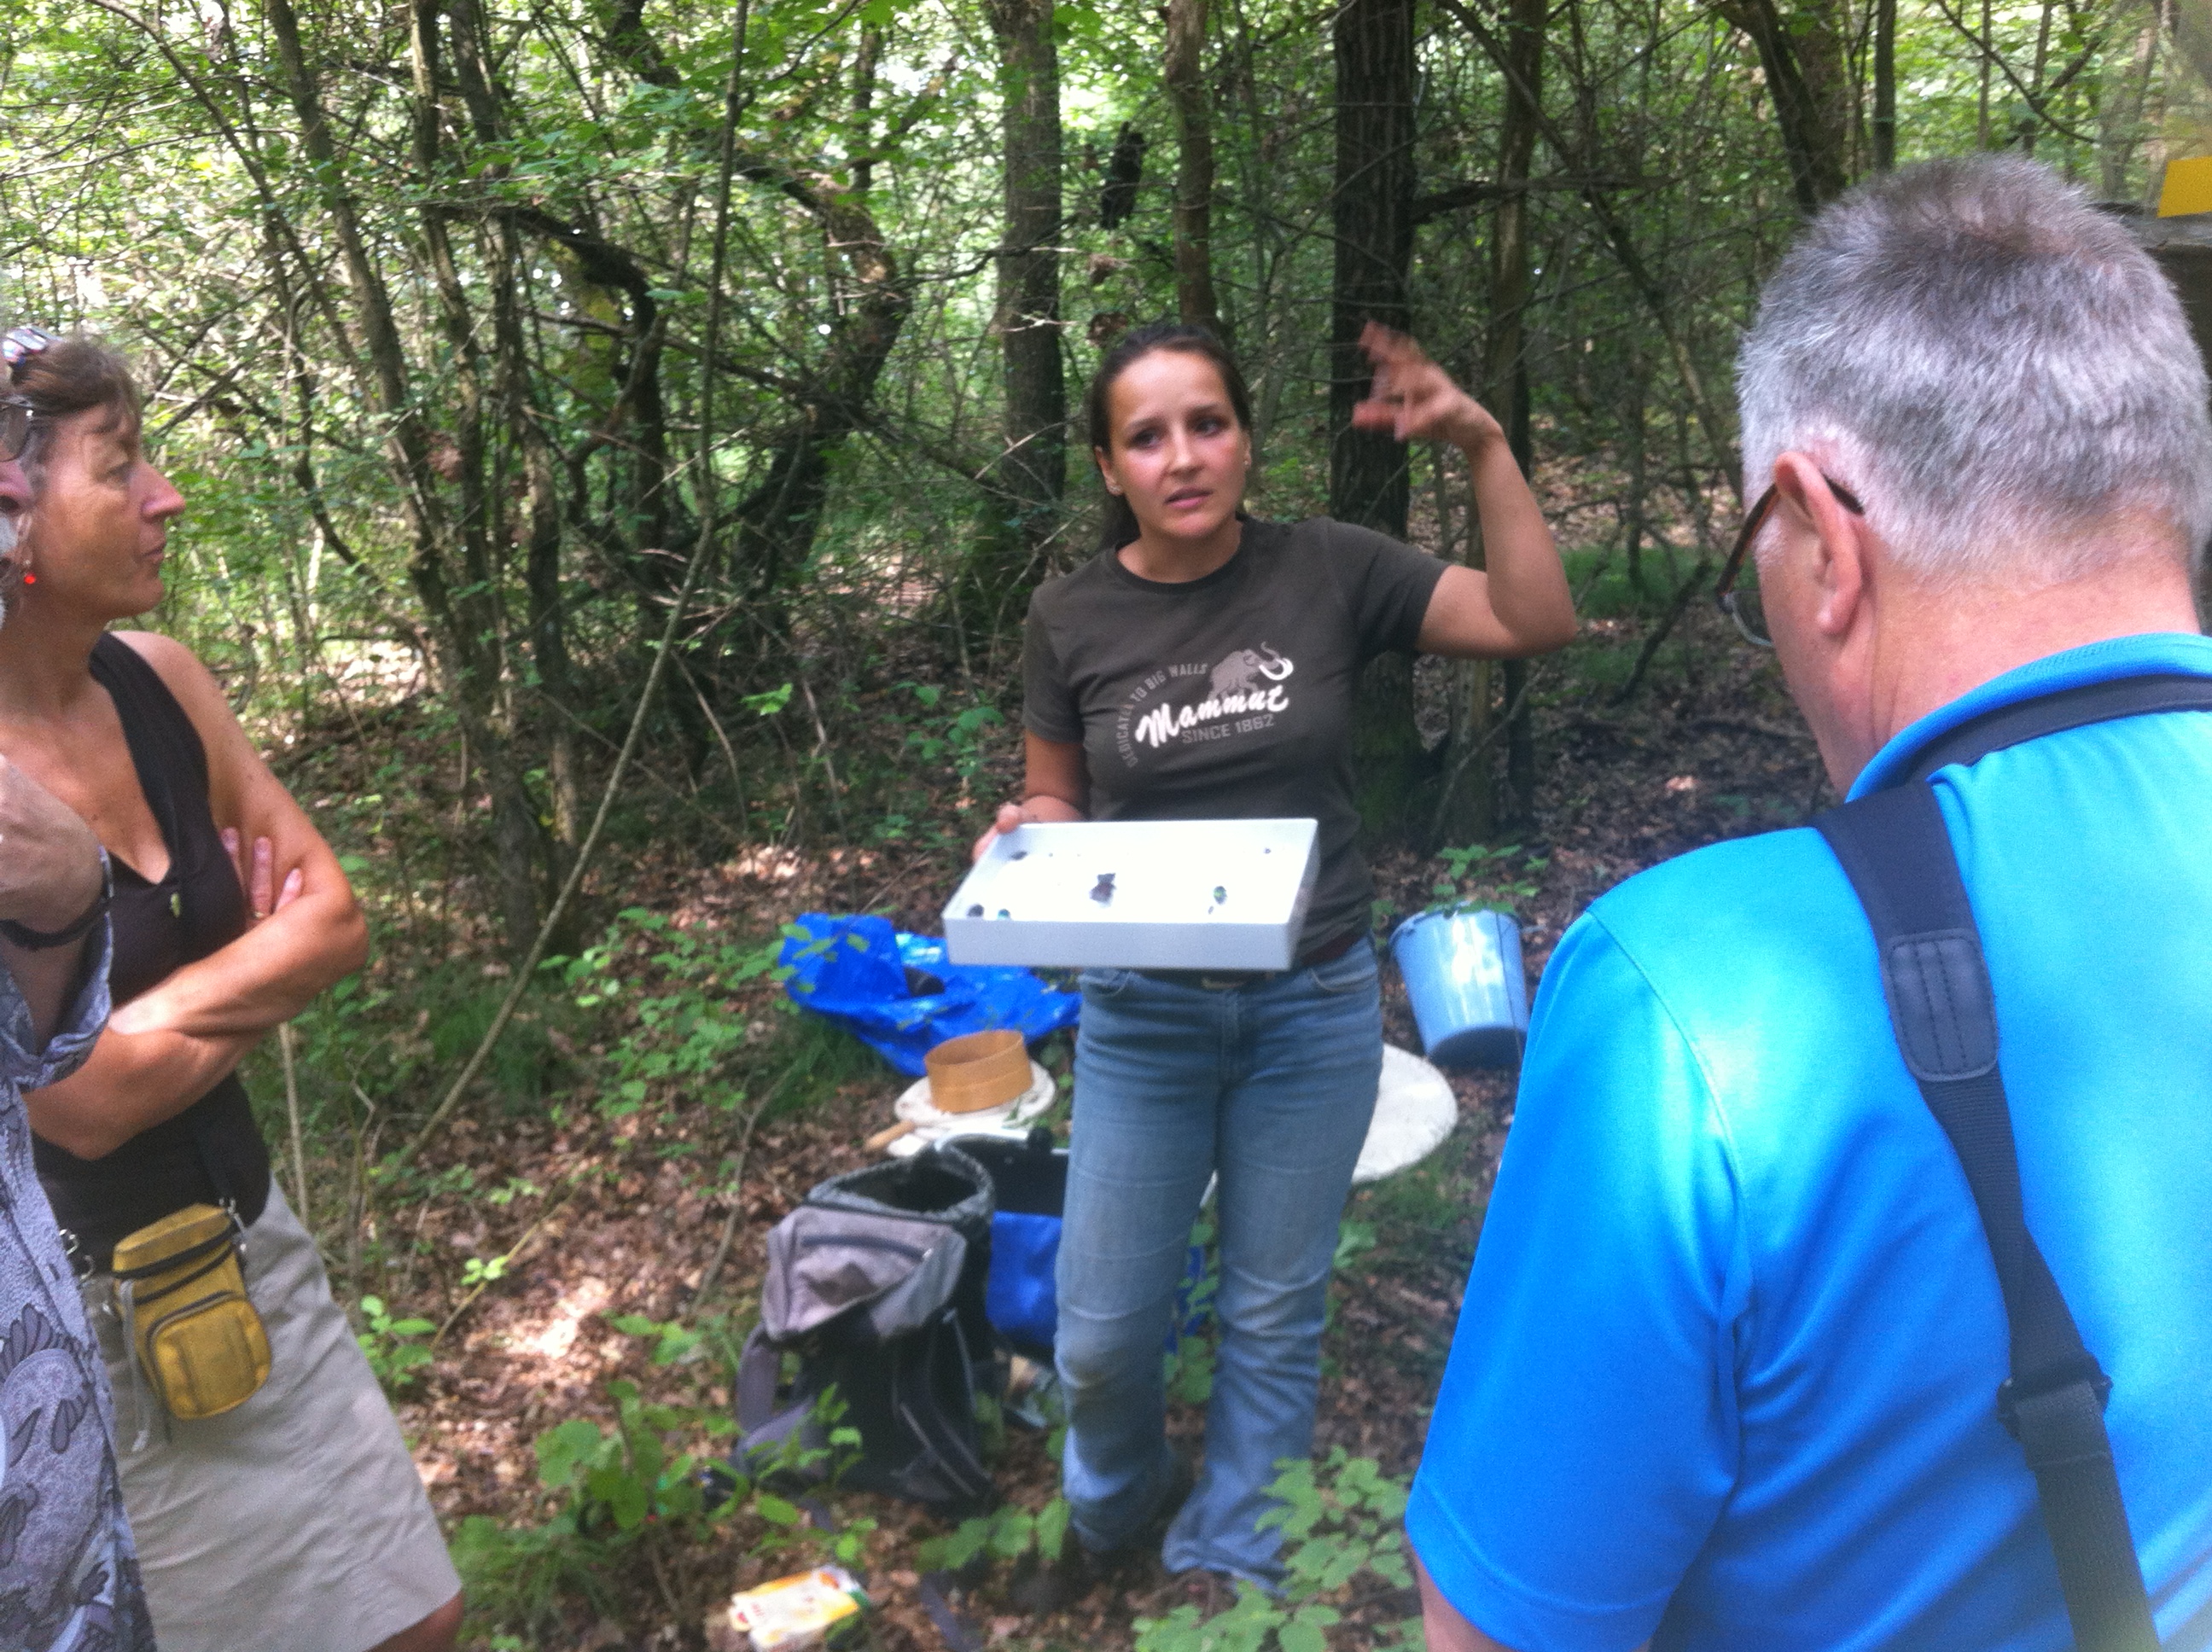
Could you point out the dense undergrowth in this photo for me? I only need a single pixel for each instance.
(564, 345)
(554, 1289)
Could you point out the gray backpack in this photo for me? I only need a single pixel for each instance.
(876, 1283)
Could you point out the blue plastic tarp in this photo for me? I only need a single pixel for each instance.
(854, 970)
(1018, 1293)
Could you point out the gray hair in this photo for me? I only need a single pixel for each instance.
(1994, 366)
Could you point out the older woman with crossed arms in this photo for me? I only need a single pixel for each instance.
(295, 1521)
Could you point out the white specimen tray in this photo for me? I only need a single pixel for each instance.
(1184, 894)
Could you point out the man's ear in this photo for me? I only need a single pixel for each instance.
(1808, 506)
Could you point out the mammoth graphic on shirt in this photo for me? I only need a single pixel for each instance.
(1243, 670)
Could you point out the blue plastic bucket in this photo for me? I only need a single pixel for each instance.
(1463, 974)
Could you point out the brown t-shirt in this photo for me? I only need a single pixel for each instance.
(1230, 697)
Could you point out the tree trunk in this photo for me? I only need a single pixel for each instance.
(1194, 207)
(1507, 368)
(1027, 483)
(464, 623)
(519, 412)
(2191, 22)
(481, 693)
(775, 524)
(543, 540)
(1373, 219)
(864, 105)
(1636, 523)
(640, 411)
(1504, 381)
(2120, 116)
(1471, 811)
(1466, 792)
(2029, 121)
(1466, 808)
(1520, 809)
(1578, 154)
(1985, 61)
(1804, 56)
(1368, 482)
(1884, 126)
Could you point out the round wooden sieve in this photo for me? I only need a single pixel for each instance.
(978, 1070)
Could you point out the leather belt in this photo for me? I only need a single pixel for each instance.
(1229, 979)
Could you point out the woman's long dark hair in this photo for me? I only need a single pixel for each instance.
(1122, 525)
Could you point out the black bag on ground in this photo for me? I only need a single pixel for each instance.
(876, 1282)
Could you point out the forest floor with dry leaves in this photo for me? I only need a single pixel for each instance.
(595, 1218)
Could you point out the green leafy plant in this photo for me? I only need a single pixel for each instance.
(1354, 1239)
(514, 1188)
(1189, 1364)
(961, 741)
(394, 1346)
(797, 1462)
(1331, 1535)
(688, 1027)
(1343, 1545)
(616, 1487)
(769, 704)
(673, 1342)
(520, 1576)
(1007, 1533)
(480, 1270)
(631, 1473)
(648, 1479)
(1246, 1626)
(1481, 879)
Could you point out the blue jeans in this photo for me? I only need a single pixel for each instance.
(1271, 1085)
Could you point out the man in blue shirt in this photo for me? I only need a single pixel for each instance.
(1724, 1376)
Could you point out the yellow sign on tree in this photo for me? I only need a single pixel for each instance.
(2187, 188)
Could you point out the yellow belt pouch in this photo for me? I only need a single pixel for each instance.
(196, 1338)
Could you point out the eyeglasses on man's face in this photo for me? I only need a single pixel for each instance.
(1744, 606)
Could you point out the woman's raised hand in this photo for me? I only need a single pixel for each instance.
(1414, 399)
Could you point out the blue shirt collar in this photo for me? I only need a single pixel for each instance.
(2154, 652)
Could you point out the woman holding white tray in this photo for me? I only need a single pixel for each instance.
(1203, 667)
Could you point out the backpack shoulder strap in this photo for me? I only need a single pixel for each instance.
(2056, 711)
(1896, 853)
(777, 1429)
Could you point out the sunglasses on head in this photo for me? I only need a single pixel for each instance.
(17, 415)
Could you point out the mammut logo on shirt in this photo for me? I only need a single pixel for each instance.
(1247, 684)
(1242, 670)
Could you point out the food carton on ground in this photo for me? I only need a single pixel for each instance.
(800, 1611)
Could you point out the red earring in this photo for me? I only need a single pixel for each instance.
(30, 578)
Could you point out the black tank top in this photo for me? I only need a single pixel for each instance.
(213, 1150)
